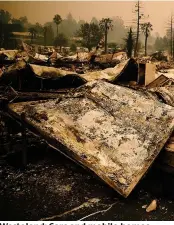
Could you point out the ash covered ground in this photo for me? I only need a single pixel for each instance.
(52, 187)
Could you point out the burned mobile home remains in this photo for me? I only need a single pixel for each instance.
(112, 115)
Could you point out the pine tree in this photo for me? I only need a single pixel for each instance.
(129, 43)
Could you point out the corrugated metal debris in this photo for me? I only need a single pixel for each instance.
(23, 70)
(46, 72)
(161, 81)
(114, 131)
(109, 74)
(10, 54)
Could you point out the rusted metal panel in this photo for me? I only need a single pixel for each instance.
(114, 131)
(161, 81)
(146, 73)
(150, 73)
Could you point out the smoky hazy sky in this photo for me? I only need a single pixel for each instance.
(43, 11)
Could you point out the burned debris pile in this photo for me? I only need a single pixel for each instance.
(110, 114)
(104, 127)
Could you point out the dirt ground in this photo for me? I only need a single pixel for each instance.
(53, 187)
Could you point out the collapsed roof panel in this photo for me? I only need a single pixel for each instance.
(109, 74)
(10, 54)
(128, 72)
(23, 76)
(160, 81)
(51, 72)
(46, 72)
(114, 131)
(23, 71)
(111, 57)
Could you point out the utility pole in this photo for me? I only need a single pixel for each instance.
(138, 28)
(139, 17)
(171, 36)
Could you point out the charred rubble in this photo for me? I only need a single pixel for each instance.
(111, 115)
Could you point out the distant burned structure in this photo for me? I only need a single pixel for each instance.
(23, 75)
(21, 36)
